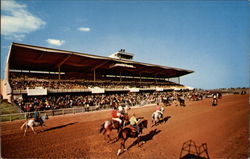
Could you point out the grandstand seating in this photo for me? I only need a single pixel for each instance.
(20, 81)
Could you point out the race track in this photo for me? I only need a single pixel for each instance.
(223, 128)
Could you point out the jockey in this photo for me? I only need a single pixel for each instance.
(214, 96)
(126, 109)
(214, 99)
(133, 122)
(36, 116)
(120, 109)
(116, 115)
(159, 110)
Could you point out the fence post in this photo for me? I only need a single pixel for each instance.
(63, 111)
(73, 110)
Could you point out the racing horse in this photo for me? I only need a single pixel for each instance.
(157, 116)
(127, 132)
(214, 100)
(181, 100)
(32, 123)
(109, 125)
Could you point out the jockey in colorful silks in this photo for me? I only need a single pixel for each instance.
(120, 109)
(134, 123)
(159, 110)
(116, 115)
(36, 116)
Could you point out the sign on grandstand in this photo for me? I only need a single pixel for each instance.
(134, 89)
(97, 90)
(37, 91)
(159, 89)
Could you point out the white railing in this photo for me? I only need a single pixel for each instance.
(55, 112)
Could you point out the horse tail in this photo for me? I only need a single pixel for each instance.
(101, 128)
(25, 123)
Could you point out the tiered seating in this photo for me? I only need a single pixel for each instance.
(20, 81)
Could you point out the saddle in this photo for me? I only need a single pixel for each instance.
(130, 127)
(39, 121)
(114, 121)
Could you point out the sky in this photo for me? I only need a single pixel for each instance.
(209, 37)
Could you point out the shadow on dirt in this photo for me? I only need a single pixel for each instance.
(146, 137)
(190, 150)
(164, 120)
(59, 127)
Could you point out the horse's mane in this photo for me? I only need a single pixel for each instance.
(143, 121)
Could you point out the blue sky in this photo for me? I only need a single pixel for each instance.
(210, 37)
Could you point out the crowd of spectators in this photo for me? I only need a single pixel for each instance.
(102, 101)
(98, 100)
(20, 81)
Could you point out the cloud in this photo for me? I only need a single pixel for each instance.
(17, 21)
(84, 29)
(55, 42)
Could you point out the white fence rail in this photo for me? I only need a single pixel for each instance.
(74, 110)
(20, 116)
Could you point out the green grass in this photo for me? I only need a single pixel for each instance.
(6, 108)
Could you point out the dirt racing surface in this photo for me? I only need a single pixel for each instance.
(224, 129)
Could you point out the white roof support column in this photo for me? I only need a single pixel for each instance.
(59, 73)
(94, 75)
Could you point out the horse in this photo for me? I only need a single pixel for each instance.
(156, 117)
(126, 133)
(181, 101)
(109, 125)
(167, 101)
(32, 123)
(214, 101)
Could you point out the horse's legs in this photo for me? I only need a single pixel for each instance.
(32, 128)
(104, 131)
(121, 146)
(138, 141)
(124, 138)
(26, 127)
(42, 127)
(108, 135)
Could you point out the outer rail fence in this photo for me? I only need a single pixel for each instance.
(55, 112)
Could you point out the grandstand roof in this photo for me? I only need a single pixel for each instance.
(29, 57)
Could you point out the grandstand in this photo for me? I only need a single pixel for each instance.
(35, 74)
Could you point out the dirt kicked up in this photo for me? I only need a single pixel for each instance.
(224, 129)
